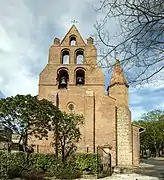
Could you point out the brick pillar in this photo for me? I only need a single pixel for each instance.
(124, 137)
(136, 145)
(89, 120)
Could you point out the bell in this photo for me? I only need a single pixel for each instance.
(79, 80)
(63, 81)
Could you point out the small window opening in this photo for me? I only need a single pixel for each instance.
(63, 78)
(80, 77)
(65, 57)
(71, 107)
(72, 41)
(79, 57)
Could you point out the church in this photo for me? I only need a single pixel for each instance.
(73, 75)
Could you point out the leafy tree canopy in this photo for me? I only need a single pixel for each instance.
(28, 116)
(153, 137)
(67, 134)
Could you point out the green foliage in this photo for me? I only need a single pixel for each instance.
(86, 161)
(23, 164)
(30, 165)
(47, 163)
(26, 115)
(32, 175)
(67, 134)
(153, 137)
(12, 164)
(68, 172)
(152, 116)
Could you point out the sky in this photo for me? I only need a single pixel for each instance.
(27, 29)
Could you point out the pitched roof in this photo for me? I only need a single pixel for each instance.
(73, 31)
(118, 75)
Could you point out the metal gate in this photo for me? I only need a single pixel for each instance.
(104, 168)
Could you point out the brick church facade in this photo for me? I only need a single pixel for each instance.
(73, 74)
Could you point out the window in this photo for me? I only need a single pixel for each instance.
(80, 77)
(71, 106)
(72, 41)
(65, 57)
(79, 57)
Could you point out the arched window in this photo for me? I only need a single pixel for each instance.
(80, 77)
(80, 57)
(62, 78)
(65, 57)
(72, 41)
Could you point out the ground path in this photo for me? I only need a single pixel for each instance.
(150, 169)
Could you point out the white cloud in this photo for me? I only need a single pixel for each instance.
(27, 29)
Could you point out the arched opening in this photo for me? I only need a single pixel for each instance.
(65, 57)
(80, 57)
(80, 77)
(71, 106)
(72, 41)
(62, 78)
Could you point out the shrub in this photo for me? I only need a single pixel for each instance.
(13, 172)
(32, 175)
(86, 162)
(43, 162)
(12, 164)
(26, 165)
(68, 172)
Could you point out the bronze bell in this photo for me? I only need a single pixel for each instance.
(63, 81)
(80, 80)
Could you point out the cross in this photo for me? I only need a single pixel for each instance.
(74, 21)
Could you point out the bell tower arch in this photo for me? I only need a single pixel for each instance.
(62, 78)
(72, 79)
(71, 63)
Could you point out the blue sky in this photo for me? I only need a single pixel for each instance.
(27, 29)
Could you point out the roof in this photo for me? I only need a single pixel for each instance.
(117, 75)
(141, 129)
(73, 31)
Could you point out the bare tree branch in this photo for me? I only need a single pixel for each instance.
(140, 37)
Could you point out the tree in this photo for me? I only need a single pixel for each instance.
(153, 137)
(68, 134)
(139, 40)
(27, 116)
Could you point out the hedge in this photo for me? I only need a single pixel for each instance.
(34, 165)
(86, 162)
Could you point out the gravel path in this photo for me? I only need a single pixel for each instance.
(127, 177)
(130, 177)
(150, 169)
